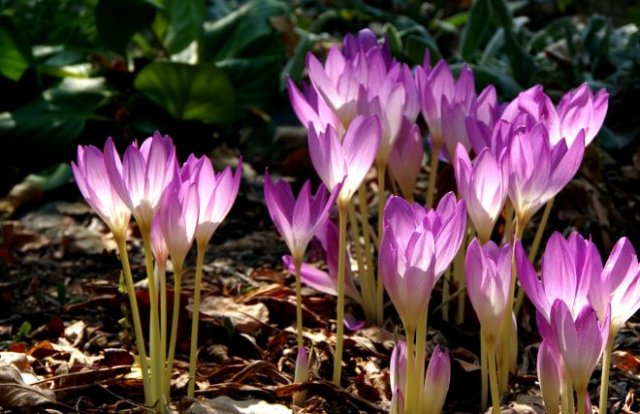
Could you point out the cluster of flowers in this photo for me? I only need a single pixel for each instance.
(173, 205)
(509, 160)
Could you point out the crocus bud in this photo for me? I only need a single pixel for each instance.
(488, 280)
(93, 181)
(580, 109)
(483, 186)
(550, 376)
(436, 382)
(301, 375)
(398, 377)
(406, 158)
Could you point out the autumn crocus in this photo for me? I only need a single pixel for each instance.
(483, 185)
(618, 285)
(178, 215)
(581, 340)
(550, 376)
(416, 248)
(216, 194)
(406, 159)
(488, 281)
(91, 175)
(297, 220)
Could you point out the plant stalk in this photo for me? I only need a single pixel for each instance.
(342, 245)
(382, 200)
(484, 372)
(368, 251)
(177, 276)
(493, 378)
(195, 318)
(606, 366)
(421, 344)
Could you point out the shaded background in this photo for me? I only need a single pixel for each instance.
(211, 73)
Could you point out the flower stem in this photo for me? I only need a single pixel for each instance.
(458, 276)
(484, 372)
(342, 244)
(135, 315)
(421, 344)
(162, 277)
(157, 360)
(177, 276)
(606, 366)
(297, 263)
(446, 292)
(366, 284)
(493, 377)
(569, 388)
(382, 200)
(581, 395)
(195, 318)
(410, 380)
(368, 251)
(433, 173)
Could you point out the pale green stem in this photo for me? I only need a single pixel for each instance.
(433, 174)
(446, 292)
(458, 276)
(157, 360)
(410, 380)
(366, 284)
(162, 276)
(342, 244)
(606, 366)
(569, 387)
(368, 251)
(493, 377)
(297, 264)
(195, 318)
(135, 315)
(421, 345)
(564, 398)
(484, 372)
(177, 276)
(581, 395)
(382, 200)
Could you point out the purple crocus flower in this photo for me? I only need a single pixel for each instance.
(297, 220)
(347, 161)
(617, 285)
(178, 214)
(416, 247)
(581, 340)
(92, 178)
(216, 193)
(550, 376)
(580, 109)
(483, 185)
(398, 377)
(436, 381)
(311, 109)
(488, 281)
(142, 176)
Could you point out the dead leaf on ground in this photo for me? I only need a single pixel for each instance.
(245, 318)
(14, 392)
(226, 405)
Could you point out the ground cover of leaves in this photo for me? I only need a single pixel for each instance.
(65, 344)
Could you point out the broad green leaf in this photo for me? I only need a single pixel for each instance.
(118, 20)
(476, 29)
(415, 47)
(255, 81)
(243, 32)
(15, 55)
(51, 122)
(179, 23)
(505, 84)
(200, 92)
(51, 178)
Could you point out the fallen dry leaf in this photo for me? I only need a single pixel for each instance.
(245, 318)
(15, 393)
(226, 405)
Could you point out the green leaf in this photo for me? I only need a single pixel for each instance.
(476, 28)
(15, 55)
(51, 178)
(242, 33)
(180, 23)
(189, 92)
(505, 84)
(256, 81)
(415, 47)
(47, 125)
(118, 20)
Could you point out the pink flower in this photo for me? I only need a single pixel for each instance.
(311, 109)
(416, 247)
(617, 285)
(488, 280)
(398, 377)
(178, 215)
(216, 193)
(580, 109)
(406, 158)
(142, 176)
(297, 220)
(92, 178)
(350, 159)
(550, 376)
(327, 282)
(436, 382)
(483, 186)
(581, 340)
(159, 247)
